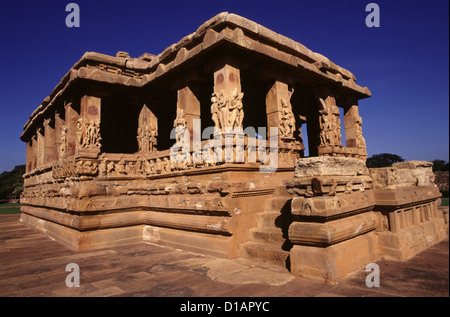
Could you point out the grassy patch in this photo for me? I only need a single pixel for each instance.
(444, 202)
(10, 210)
(10, 205)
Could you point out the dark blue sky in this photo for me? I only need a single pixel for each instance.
(404, 62)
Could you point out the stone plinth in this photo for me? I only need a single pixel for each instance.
(346, 216)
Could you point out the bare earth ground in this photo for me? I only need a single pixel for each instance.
(33, 265)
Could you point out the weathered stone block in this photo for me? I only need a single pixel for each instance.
(326, 165)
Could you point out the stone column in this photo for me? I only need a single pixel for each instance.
(277, 96)
(29, 155)
(188, 107)
(59, 123)
(227, 108)
(353, 130)
(280, 116)
(40, 146)
(329, 122)
(88, 127)
(147, 131)
(33, 152)
(49, 143)
(70, 130)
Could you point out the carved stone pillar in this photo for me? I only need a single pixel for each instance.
(227, 108)
(280, 116)
(29, 165)
(40, 146)
(49, 142)
(147, 131)
(69, 131)
(33, 155)
(88, 127)
(279, 110)
(188, 108)
(353, 130)
(329, 122)
(59, 123)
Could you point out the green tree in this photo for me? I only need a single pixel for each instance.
(11, 182)
(440, 166)
(383, 160)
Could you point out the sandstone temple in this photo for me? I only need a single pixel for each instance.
(202, 148)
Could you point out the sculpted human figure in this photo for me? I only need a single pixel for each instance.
(96, 134)
(219, 110)
(235, 110)
(129, 168)
(223, 108)
(86, 133)
(146, 137)
(102, 166)
(147, 168)
(80, 136)
(153, 141)
(120, 166)
(360, 141)
(180, 127)
(325, 128)
(215, 112)
(287, 124)
(240, 108)
(167, 165)
(63, 149)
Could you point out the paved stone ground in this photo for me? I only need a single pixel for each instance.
(34, 265)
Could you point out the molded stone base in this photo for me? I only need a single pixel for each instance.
(84, 240)
(333, 263)
(408, 242)
(202, 243)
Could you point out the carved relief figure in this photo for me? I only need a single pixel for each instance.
(80, 135)
(219, 110)
(330, 124)
(110, 167)
(235, 110)
(336, 126)
(227, 112)
(64, 141)
(180, 127)
(287, 119)
(325, 128)
(360, 141)
(88, 133)
(147, 132)
(102, 166)
(146, 138)
(120, 166)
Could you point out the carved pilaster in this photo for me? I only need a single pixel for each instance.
(49, 141)
(226, 102)
(147, 131)
(88, 138)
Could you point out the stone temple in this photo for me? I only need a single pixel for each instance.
(202, 148)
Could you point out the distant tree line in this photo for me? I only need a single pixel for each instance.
(11, 183)
(383, 160)
(387, 159)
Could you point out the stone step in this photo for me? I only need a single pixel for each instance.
(277, 203)
(267, 235)
(264, 252)
(273, 219)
